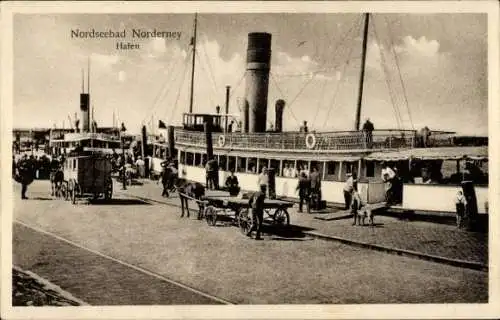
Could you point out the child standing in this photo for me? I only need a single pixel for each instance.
(460, 204)
(356, 205)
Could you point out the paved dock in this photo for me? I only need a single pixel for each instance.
(136, 249)
(424, 238)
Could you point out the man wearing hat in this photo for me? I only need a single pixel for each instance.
(165, 171)
(256, 202)
(26, 174)
(348, 188)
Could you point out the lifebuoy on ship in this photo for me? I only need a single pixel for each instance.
(222, 140)
(310, 141)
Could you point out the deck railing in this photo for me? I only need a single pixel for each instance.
(339, 140)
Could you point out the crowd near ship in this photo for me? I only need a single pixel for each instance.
(430, 166)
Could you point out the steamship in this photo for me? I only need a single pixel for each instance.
(87, 138)
(334, 154)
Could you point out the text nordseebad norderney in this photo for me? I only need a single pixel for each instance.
(134, 33)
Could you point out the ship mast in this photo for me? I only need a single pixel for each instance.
(362, 76)
(193, 42)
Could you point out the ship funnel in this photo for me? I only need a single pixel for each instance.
(257, 80)
(279, 107)
(243, 104)
(84, 109)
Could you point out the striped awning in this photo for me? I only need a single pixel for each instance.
(444, 153)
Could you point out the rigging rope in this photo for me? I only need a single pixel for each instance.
(338, 86)
(337, 47)
(387, 80)
(209, 97)
(283, 96)
(320, 100)
(164, 90)
(399, 72)
(186, 60)
(179, 92)
(210, 70)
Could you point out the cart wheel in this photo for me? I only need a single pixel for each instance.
(281, 217)
(108, 192)
(211, 215)
(244, 221)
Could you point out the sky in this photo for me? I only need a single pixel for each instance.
(421, 69)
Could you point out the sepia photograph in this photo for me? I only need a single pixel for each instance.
(318, 160)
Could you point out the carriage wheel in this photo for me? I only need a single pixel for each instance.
(211, 215)
(281, 217)
(244, 221)
(108, 190)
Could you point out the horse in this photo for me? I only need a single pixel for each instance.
(193, 190)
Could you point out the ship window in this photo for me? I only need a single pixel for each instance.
(275, 164)
(189, 158)
(232, 163)
(349, 166)
(331, 170)
(242, 164)
(223, 162)
(182, 157)
(263, 163)
(370, 169)
(289, 169)
(197, 159)
(319, 166)
(303, 166)
(252, 165)
(199, 120)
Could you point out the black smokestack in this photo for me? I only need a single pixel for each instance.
(279, 107)
(244, 115)
(84, 108)
(257, 79)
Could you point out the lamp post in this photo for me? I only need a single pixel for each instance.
(124, 187)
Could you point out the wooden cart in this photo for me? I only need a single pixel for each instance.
(88, 175)
(221, 204)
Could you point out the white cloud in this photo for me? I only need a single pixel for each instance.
(104, 60)
(122, 76)
(158, 45)
(286, 64)
(420, 47)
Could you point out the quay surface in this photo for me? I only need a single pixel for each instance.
(133, 251)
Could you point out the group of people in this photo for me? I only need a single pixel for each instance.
(359, 210)
(309, 189)
(27, 168)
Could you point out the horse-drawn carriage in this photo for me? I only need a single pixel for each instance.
(88, 175)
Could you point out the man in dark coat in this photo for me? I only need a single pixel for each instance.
(304, 188)
(232, 184)
(368, 132)
(26, 171)
(315, 188)
(256, 202)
